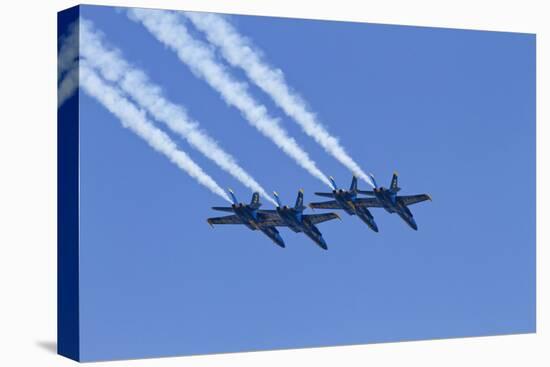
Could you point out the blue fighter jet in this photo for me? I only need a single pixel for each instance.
(393, 203)
(250, 216)
(295, 219)
(348, 201)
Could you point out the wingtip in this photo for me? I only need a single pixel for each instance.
(301, 190)
(429, 197)
(230, 190)
(395, 173)
(209, 223)
(338, 216)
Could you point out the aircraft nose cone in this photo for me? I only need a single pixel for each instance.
(322, 243)
(279, 241)
(374, 227)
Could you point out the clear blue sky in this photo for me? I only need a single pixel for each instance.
(452, 111)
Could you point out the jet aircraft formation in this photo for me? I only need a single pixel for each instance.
(294, 218)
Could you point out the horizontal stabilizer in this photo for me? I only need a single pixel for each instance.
(366, 192)
(223, 208)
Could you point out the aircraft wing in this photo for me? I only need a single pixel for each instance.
(319, 218)
(413, 199)
(332, 204)
(368, 203)
(230, 219)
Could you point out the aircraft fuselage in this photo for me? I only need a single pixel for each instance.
(391, 203)
(346, 200)
(248, 215)
(298, 223)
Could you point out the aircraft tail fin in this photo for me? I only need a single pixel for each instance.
(233, 197)
(393, 186)
(333, 183)
(300, 201)
(255, 201)
(373, 179)
(353, 186)
(277, 199)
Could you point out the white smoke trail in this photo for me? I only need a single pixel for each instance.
(68, 52)
(134, 119)
(68, 85)
(240, 52)
(169, 30)
(67, 65)
(135, 83)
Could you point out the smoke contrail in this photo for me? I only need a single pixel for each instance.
(240, 52)
(135, 120)
(67, 65)
(169, 30)
(67, 86)
(113, 67)
(68, 52)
